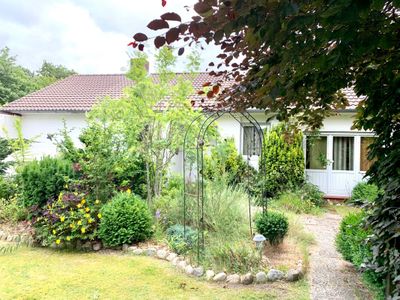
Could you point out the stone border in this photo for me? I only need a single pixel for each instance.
(21, 239)
(198, 271)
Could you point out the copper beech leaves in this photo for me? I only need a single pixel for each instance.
(158, 24)
(172, 35)
(140, 37)
(202, 8)
(171, 16)
(159, 41)
(181, 50)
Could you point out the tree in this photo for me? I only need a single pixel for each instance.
(15, 81)
(50, 73)
(295, 57)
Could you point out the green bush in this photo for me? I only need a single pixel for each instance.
(178, 241)
(274, 226)
(43, 180)
(8, 187)
(312, 193)
(11, 211)
(282, 159)
(125, 219)
(351, 242)
(292, 201)
(364, 193)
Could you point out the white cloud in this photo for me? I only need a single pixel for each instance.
(89, 36)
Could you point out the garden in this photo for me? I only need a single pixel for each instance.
(115, 191)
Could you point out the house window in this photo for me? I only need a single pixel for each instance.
(316, 153)
(251, 141)
(343, 153)
(365, 163)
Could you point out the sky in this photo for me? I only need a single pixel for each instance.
(88, 36)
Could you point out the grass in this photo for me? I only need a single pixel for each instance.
(342, 209)
(37, 273)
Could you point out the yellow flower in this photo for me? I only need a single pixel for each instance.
(129, 191)
(79, 205)
(87, 209)
(87, 216)
(66, 186)
(54, 231)
(97, 201)
(68, 238)
(62, 218)
(75, 193)
(99, 216)
(83, 201)
(60, 196)
(90, 221)
(58, 242)
(72, 225)
(83, 229)
(79, 222)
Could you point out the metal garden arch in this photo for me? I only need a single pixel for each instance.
(199, 162)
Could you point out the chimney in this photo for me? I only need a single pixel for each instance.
(139, 60)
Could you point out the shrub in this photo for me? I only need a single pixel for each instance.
(274, 226)
(363, 193)
(43, 180)
(235, 257)
(11, 211)
(8, 187)
(282, 159)
(292, 201)
(125, 219)
(312, 193)
(351, 242)
(72, 217)
(178, 241)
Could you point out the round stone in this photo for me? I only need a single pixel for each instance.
(171, 256)
(189, 270)
(220, 277)
(198, 272)
(261, 277)
(234, 279)
(210, 274)
(274, 275)
(162, 254)
(246, 279)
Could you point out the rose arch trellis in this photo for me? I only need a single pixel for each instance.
(200, 196)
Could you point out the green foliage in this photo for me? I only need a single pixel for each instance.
(237, 257)
(125, 219)
(282, 160)
(43, 180)
(352, 242)
(225, 163)
(293, 201)
(5, 151)
(70, 218)
(274, 226)
(180, 240)
(312, 193)
(364, 193)
(11, 211)
(8, 187)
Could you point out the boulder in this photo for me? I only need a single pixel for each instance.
(150, 251)
(96, 246)
(274, 275)
(172, 256)
(162, 254)
(182, 265)
(261, 277)
(293, 275)
(246, 279)
(137, 251)
(198, 272)
(233, 278)
(210, 274)
(220, 277)
(175, 261)
(125, 247)
(132, 248)
(189, 270)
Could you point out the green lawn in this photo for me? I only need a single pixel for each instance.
(34, 273)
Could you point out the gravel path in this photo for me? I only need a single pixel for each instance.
(330, 276)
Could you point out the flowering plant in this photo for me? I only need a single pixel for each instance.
(71, 217)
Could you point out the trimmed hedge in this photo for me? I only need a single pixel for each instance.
(43, 180)
(125, 219)
(274, 226)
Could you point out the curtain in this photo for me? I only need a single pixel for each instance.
(343, 153)
(365, 163)
(251, 141)
(316, 153)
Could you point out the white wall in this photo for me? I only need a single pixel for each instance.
(38, 126)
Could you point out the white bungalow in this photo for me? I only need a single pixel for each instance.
(335, 162)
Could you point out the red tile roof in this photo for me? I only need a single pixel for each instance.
(78, 93)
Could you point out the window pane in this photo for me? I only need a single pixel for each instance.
(251, 141)
(316, 153)
(365, 163)
(343, 153)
